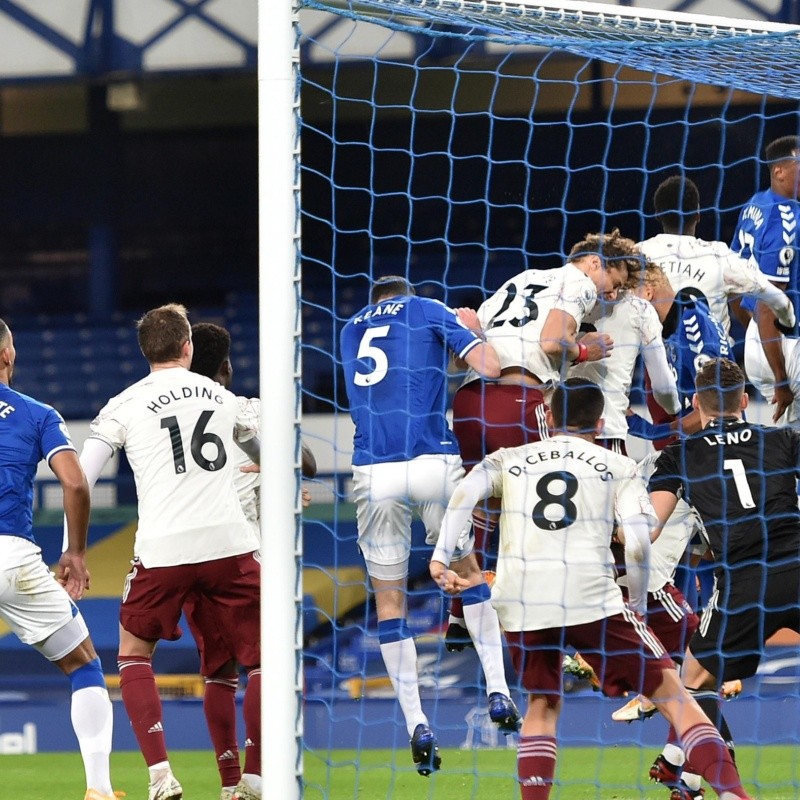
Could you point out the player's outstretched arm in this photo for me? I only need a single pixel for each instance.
(662, 378)
(773, 352)
(475, 487)
(484, 360)
(72, 572)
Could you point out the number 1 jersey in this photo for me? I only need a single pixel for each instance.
(178, 429)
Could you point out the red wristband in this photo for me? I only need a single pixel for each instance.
(583, 353)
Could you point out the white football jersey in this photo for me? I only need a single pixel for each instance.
(248, 484)
(632, 324)
(513, 317)
(710, 267)
(178, 428)
(667, 551)
(559, 502)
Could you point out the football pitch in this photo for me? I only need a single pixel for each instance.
(613, 773)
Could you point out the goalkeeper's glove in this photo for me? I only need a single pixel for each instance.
(639, 426)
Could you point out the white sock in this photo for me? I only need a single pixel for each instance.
(93, 722)
(457, 621)
(253, 781)
(691, 780)
(673, 754)
(484, 629)
(401, 664)
(157, 770)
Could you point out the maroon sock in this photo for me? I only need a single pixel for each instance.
(252, 723)
(707, 755)
(536, 766)
(143, 706)
(219, 705)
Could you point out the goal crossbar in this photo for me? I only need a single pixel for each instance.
(753, 56)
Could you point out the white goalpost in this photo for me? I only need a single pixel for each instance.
(279, 350)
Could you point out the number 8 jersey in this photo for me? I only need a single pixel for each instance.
(514, 315)
(560, 499)
(178, 429)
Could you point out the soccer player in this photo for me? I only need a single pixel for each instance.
(532, 321)
(766, 234)
(741, 478)
(691, 337)
(395, 353)
(555, 582)
(709, 269)
(178, 429)
(634, 327)
(211, 357)
(39, 608)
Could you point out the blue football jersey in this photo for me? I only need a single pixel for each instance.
(395, 355)
(29, 432)
(691, 337)
(766, 235)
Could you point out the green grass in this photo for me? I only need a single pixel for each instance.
(613, 773)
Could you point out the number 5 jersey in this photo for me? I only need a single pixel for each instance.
(178, 429)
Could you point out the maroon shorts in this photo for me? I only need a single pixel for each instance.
(621, 649)
(203, 618)
(672, 619)
(153, 599)
(488, 416)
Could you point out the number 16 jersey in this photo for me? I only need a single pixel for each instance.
(560, 499)
(178, 429)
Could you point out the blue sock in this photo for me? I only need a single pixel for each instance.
(90, 674)
(393, 630)
(476, 594)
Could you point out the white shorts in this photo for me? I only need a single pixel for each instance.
(385, 495)
(760, 375)
(32, 602)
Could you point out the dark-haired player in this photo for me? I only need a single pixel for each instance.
(395, 354)
(211, 357)
(741, 478)
(766, 234)
(555, 584)
(711, 269)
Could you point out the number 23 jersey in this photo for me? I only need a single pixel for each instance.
(559, 502)
(513, 317)
(178, 428)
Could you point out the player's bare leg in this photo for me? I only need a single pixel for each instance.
(537, 750)
(143, 706)
(481, 621)
(400, 657)
(701, 742)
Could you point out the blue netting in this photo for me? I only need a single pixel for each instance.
(431, 152)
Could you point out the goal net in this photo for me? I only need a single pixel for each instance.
(457, 144)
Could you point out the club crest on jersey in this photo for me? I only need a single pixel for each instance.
(786, 257)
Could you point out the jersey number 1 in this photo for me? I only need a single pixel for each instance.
(200, 437)
(736, 466)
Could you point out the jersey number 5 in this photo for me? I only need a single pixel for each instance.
(200, 437)
(368, 350)
(565, 485)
